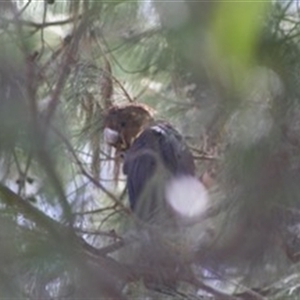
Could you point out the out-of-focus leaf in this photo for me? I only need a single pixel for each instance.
(236, 29)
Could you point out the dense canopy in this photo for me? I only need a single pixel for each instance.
(215, 84)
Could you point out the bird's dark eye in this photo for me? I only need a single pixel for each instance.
(29, 180)
(123, 124)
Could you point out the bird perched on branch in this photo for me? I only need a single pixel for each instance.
(155, 154)
(161, 185)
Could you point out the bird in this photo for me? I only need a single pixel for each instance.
(160, 175)
(154, 153)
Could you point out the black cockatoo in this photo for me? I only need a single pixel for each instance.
(155, 153)
(157, 161)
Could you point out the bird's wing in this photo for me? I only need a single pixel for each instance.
(174, 151)
(139, 167)
(157, 155)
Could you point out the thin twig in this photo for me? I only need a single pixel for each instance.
(24, 8)
(42, 29)
(44, 24)
(112, 234)
(130, 99)
(95, 211)
(111, 248)
(85, 173)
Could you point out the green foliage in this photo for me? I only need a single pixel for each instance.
(237, 28)
(226, 73)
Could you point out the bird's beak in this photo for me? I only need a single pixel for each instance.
(111, 136)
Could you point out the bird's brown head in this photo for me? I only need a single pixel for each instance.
(123, 124)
